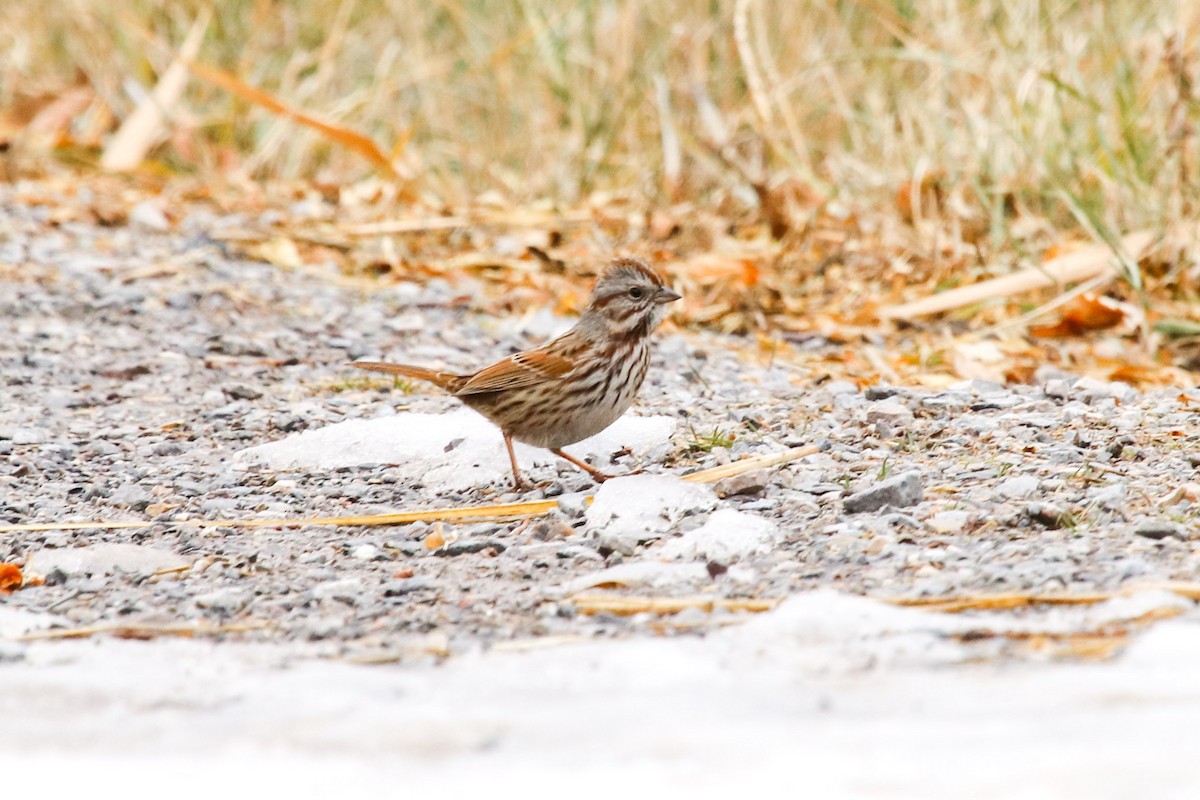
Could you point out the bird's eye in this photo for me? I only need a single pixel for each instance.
(636, 293)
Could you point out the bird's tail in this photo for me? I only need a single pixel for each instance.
(445, 380)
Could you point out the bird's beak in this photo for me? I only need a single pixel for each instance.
(665, 295)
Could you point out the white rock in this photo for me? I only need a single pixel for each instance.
(889, 412)
(346, 589)
(634, 509)
(455, 451)
(1111, 497)
(148, 216)
(638, 573)
(227, 600)
(1020, 486)
(949, 521)
(365, 552)
(727, 536)
(104, 558)
(29, 435)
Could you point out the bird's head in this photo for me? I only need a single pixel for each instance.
(630, 297)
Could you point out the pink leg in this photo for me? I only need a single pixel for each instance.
(597, 475)
(518, 481)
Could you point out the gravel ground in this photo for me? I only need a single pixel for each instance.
(138, 362)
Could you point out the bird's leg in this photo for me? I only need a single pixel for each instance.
(597, 475)
(518, 481)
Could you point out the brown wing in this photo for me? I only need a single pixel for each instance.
(523, 369)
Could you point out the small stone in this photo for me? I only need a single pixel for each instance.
(1052, 515)
(318, 628)
(56, 539)
(888, 417)
(346, 590)
(413, 322)
(366, 552)
(242, 392)
(132, 496)
(1159, 529)
(748, 483)
(835, 388)
(148, 216)
(28, 435)
(472, 546)
(945, 402)
(891, 412)
(237, 408)
(218, 505)
(881, 392)
(223, 601)
(403, 586)
(901, 491)
(950, 521)
(1018, 486)
(1059, 388)
(55, 577)
(101, 447)
(573, 506)
(1111, 497)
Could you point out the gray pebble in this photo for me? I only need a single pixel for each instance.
(901, 491)
(1160, 529)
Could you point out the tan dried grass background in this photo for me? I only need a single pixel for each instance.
(1080, 110)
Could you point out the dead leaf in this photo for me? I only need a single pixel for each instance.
(280, 251)
(10, 578)
(49, 126)
(1088, 312)
(984, 360)
(1151, 374)
(435, 539)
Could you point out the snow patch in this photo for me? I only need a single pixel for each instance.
(634, 509)
(727, 536)
(454, 451)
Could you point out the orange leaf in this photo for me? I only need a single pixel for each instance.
(1058, 330)
(1143, 375)
(1060, 249)
(714, 268)
(1088, 312)
(10, 578)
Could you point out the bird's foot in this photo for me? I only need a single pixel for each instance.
(597, 475)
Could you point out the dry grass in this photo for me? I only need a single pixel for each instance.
(1080, 111)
